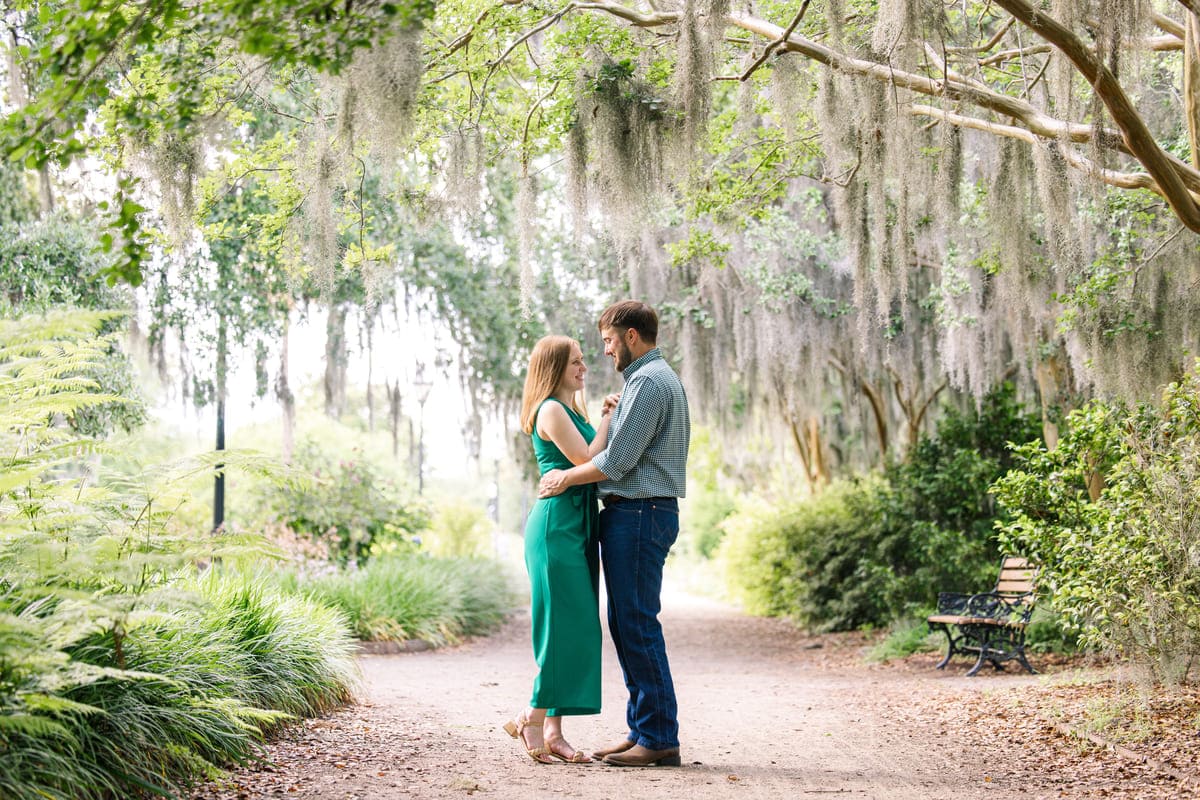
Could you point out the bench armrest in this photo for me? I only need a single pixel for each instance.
(952, 602)
(1008, 609)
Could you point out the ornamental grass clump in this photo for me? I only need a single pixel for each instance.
(410, 596)
(299, 654)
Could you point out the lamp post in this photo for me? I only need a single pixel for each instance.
(422, 386)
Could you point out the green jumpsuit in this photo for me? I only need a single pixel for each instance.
(562, 556)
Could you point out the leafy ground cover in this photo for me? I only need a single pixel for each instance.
(1088, 721)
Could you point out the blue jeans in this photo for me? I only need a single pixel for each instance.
(635, 537)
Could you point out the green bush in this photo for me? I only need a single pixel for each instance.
(349, 506)
(1113, 516)
(873, 550)
(413, 596)
(805, 560)
(1048, 632)
(708, 505)
(459, 530)
(938, 529)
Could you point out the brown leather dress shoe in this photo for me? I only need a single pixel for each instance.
(624, 745)
(638, 756)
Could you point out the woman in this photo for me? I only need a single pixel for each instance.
(561, 554)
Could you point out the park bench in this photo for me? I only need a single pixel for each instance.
(991, 624)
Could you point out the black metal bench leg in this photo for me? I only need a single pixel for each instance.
(1025, 662)
(983, 656)
(949, 648)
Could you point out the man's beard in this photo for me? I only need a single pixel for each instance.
(624, 356)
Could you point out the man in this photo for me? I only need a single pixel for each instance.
(641, 476)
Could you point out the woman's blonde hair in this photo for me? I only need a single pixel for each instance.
(547, 364)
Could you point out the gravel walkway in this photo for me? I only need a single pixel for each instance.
(765, 712)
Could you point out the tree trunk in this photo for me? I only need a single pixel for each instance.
(875, 398)
(19, 94)
(817, 449)
(283, 391)
(807, 438)
(805, 458)
(1095, 480)
(412, 446)
(335, 361)
(219, 485)
(370, 368)
(393, 396)
(1191, 84)
(914, 410)
(45, 190)
(1048, 374)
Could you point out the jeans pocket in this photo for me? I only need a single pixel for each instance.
(664, 526)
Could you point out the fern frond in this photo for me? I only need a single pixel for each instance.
(34, 726)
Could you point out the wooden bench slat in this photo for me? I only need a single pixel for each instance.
(1014, 587)
(947, 619)
(1018, 575)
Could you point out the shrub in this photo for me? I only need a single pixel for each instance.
(459, 530)
(905, 637)
(804, 560)
(708, 504)
(938, 530)
(1113, 516)
(349, 506)
(869, 551)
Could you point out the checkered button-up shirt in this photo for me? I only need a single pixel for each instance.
(646, 453)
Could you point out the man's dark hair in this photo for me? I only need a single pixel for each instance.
(632, 314)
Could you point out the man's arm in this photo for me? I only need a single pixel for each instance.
(641, 421)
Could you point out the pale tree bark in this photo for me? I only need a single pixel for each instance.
(393, 396)
(283, 391)
(915, 408)
(1191, 83)
(19, 94)
(1051, 378)
(335, 361)
(806, 435)
(878, 407)
(370, 369)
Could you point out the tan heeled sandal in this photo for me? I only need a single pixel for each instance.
(577, 756)
(516, 727)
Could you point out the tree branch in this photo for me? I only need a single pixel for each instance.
(1191, 5)
(631, 15)
(1167, 24)
(1122, 180)
(536, 29)
(989, 44)
(770, 48)
(1138, 138)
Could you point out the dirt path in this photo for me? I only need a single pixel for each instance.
(765, 712)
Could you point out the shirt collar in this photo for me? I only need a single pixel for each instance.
(650, 355)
